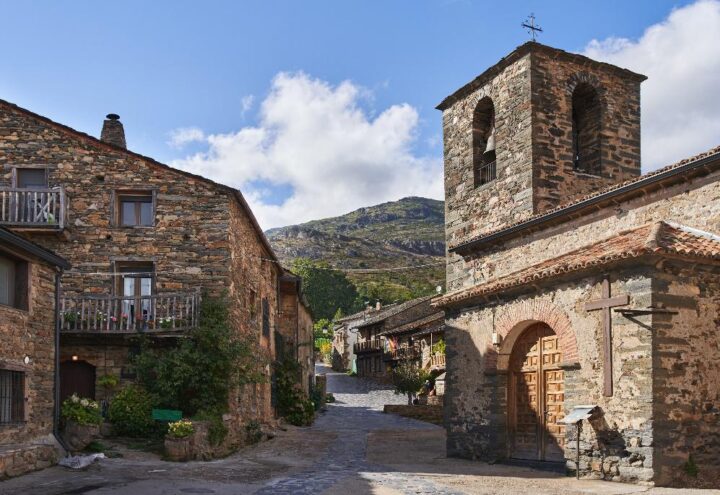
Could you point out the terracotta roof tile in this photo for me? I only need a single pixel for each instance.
(680, 164)
(659, 238)
(394, 310)
(440, 316)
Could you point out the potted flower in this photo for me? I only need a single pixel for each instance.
(82, 421)
(178, 441)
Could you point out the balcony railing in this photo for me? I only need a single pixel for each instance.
(403, 353)
(485, 173)
(368, 346)
(113, 314)
(437, 362)
(32, 208)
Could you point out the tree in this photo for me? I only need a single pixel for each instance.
(327, 289)
(409, 378)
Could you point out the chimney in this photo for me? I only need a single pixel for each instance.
(112, 131)
(378, 305)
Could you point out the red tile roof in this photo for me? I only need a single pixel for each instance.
(659, 238)
(638, 181)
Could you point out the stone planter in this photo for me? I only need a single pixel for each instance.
(78, 436)
(178, 449)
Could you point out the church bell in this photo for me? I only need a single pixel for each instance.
(489, 153)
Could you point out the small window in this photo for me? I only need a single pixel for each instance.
(12, 396)
(265, 317)
(136, 209)
(13, 282)
(31, 178)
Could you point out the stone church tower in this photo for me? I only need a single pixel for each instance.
(536, 130)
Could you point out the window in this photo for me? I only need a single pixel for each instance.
(14, 282)
(134, 285)
(31, 178)
(136, 209)
(484, 167)
(265, 317)
(12, 396)
(586, 121)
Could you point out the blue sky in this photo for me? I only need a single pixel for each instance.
(212, 67)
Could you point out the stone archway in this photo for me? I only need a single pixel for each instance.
(512, 321)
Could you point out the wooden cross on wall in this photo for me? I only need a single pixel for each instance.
(606, 303)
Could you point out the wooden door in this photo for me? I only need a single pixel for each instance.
(77, 377)
(536, 396)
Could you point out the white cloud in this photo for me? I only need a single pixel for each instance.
(680, 103)
(316, 138)
(185, 135)
(246, 104)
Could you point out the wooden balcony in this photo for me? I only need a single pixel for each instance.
(37, 209)
(437, 362)
(112, 314)
(368, 346)
(403, 354)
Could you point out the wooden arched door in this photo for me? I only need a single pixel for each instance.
(77, 377)
(536, 396)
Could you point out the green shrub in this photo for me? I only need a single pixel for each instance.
(130, 412)
(316, 396)
(408, 378)
(439, 347)
(200, 371)
(108, 381)
(217, 431)
(292, 402)
(253, 432)
(181, 429)
(329, 398)
(81, 411)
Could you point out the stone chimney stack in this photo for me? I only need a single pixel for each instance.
(113, 131)
(378, 305)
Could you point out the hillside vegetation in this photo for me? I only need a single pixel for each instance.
(408, 232)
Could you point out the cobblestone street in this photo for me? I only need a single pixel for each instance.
(353, 448)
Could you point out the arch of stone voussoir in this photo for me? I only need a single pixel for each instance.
(511, 322)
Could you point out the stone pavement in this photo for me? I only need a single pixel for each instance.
(352, 449)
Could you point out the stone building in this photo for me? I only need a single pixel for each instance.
(29, 278)
(345, 336)
(575, 281)
(377, 354)
(145, 241)
(296, 328)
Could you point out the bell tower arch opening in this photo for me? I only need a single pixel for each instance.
(586, 129)
(483, 135)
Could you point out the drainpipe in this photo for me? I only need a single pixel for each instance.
(56, 385)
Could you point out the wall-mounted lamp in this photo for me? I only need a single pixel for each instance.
(26, 360)
(496, 339)
(74, 358)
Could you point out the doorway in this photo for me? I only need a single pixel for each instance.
(77, 377)
(536, 396)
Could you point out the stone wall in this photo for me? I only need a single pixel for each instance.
(30, 334)
(686, 380)
(476, 392)
(470, 210)
(554, 78)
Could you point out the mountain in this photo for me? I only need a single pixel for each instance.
(408, 232)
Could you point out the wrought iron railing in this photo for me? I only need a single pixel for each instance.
(44, 208)
(485, 173)
(368, 346)
(113, 314)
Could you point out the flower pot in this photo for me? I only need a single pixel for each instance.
(79, 436)
(178, 449)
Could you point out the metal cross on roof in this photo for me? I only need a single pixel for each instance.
(531, 27)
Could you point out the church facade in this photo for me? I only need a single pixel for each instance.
(575, 281)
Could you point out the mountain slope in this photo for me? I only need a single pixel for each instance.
(408, 232)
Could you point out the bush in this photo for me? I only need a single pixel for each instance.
(292, 402)
(253, 432)
(130, 412)
(217, 431)
(439, 347)
(108, 382)
(81, 411)
(408, 378)
(180, 429)
(199, 373)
